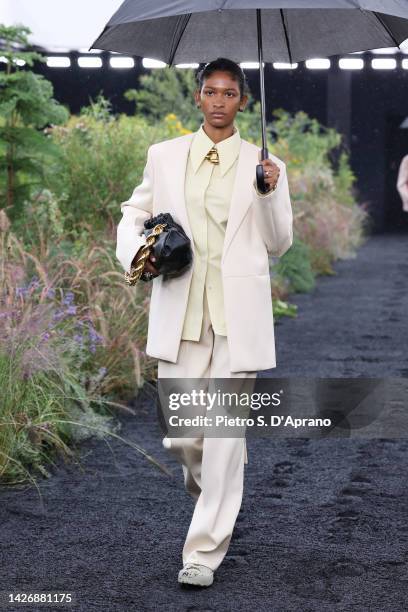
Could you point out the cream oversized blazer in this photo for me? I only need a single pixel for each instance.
(258, 226)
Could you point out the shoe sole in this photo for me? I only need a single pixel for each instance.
(196, 581)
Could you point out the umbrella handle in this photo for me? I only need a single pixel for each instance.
(260, 175)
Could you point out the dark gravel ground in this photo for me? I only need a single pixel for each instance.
(323, 524)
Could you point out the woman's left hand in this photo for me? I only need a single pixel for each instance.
(271, 172)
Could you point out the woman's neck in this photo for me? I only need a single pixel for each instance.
(218, 133)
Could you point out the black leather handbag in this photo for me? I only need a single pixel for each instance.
(170, 245)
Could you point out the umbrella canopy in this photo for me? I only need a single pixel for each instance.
(186, 31)
(293, 30)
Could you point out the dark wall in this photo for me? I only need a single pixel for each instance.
(379, 105)
(367, 106)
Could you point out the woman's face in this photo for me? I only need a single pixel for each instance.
(220, 99)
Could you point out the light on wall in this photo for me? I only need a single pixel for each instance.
(58, 61)
(250, 65)
(384, 63)
(317, 63)
(122, 62)
(351, 63)
(187, 65)
(152, 63)
(89, 62)
(284, 66)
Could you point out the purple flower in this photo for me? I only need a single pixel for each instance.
(34, 283)
(59, 315)
(21, 291)
(93, 335)
(68, 298)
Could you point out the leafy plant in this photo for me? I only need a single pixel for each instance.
(26, 106)
(162, 91)
(295, 265)
(344, 180)
(283, 309)
(326, 215)
(302, 140)
(102, 160)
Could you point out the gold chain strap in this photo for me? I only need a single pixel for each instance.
(136, 269)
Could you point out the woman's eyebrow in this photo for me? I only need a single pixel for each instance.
(222, 88)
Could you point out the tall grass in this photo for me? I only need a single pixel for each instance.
(69, 347)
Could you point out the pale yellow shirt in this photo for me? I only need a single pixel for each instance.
(208, 191)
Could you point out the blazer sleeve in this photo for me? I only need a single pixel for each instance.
(135, 212)
(273, 214)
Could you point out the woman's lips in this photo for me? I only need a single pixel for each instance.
(218, 114)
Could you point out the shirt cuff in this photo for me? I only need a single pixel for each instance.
(264, 195)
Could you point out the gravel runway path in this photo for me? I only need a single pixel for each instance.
(323, 525)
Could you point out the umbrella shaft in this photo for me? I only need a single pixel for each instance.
(264, 152)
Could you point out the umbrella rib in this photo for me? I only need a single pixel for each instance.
(186, 19)
(286, 35)
(386, 28)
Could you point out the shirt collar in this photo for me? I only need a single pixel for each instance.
(228, 149)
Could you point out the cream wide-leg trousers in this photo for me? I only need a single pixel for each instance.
(213, 467)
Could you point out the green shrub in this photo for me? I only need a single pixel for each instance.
(102, 160)
(26, 107)
(295, 265)
(327, 216)
(161, 91)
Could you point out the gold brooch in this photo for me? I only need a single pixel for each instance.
(212, 155)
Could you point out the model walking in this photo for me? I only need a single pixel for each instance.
(216, 320)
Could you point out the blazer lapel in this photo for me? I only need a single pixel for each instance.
(178, 166)
(241, 197)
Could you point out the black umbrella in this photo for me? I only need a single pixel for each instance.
(267, 30)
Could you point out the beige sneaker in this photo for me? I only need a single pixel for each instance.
(197, 574)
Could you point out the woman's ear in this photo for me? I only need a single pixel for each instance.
(243, 103)
(197, 98)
